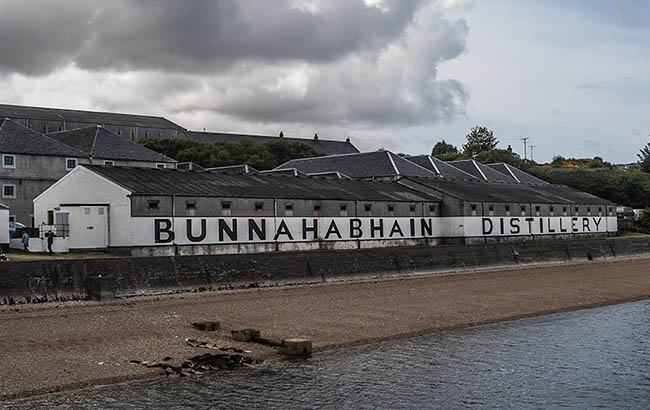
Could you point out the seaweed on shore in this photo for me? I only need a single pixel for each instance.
(202, 363)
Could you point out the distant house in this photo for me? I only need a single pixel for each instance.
(328, 147)
(31, 161)
(46, 120)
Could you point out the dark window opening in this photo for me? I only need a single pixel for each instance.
(367, 207)
(190, 205)
(507, 208)
(411, 208)
(432, 208)
(225, 205)
(317, 208)
(288, 207)
(344, 207)
(153, 204)
(391, 208)
(259, 206)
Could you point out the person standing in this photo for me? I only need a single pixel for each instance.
(50, 241)
(25, 239)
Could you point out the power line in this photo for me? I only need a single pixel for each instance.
(531, 152)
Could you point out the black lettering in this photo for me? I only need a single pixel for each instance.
(313, 228)
(163, 226)
(486, 230)
(412, 226)
(530, 225)
(374, 228)
(550, 230)
(283, 229)
(355, 228)
(260, 231)
(231, 232)
(394, 229)
(573, 224)
(585, 225)
(501, 226)
(562, 229)
(333, 229)
(426, 227)
(514, 226)
(201, 236)
(597, 221)
(541, 225)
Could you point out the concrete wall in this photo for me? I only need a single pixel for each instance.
(68, 279)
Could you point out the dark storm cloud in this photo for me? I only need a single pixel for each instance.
(189, 35)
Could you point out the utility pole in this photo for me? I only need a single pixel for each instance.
(531, 152)
(524, 139)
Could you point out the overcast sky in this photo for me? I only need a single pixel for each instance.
(573, 76)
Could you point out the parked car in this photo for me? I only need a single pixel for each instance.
(13, 226)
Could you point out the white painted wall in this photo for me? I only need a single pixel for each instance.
(4, 226)
(82, 186)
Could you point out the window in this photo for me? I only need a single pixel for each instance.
(609, 211)
(119, 132)
(70, 163)
(589, 210)
(100, 211)
(523, 210)
(86, 211)
(507, 210)
(146, 134)
(411, 210)
(9, 191)
(316, 207)
(225, 208)
(109, 162)
(50, 217)
(391, 208)
(160, 165)
(473, 207)
(8, 161)
(491, 210)
(190, 208)
(577, 210)
(153, 203)
(367, 208)
(259, 206)
(288, 210)
(564, 210)
(537, 210)
(432, 210)
(551, 210)
(343, 209)
(190, 205)
(12, 221)
(45, 129)
(600, 211)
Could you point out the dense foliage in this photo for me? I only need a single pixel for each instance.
(260, 156)
(479, 139)
(644, 158)
(443, 148)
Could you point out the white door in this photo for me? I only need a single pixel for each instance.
(88, 227)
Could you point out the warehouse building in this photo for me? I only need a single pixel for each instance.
(31, 161)
(134, 127)
(143, 211)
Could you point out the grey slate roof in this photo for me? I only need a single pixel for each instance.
(517, 174)
(481, 171)
(505, 192)
(361, 165)
(98, 142)
(285, 171)
(441, 168)
(152, 181)
(17, 139)
(324, 146)
(90, 117)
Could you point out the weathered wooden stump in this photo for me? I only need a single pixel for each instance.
(245, 335)
(296, 347)
(206, 325)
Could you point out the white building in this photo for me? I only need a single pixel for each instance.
(4, 226)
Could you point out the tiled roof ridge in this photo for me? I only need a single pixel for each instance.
(79, 152)
(84, 111)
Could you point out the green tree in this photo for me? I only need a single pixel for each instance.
(644, 221)
(479, 139)
(644, 158)
(443, 148)
(558, 161)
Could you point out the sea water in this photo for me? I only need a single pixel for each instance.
(595, 358)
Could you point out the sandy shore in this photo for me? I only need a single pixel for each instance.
(62, 346)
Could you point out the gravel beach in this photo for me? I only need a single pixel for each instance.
(59, 346)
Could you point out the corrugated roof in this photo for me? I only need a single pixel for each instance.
(441, 168)
(234, 169)
(98, 142)
(361, 165)
(518, 174)
(154, 181)
(509, 192)
(17, 139)
(481, 171)
(321, 145)
(89, 117)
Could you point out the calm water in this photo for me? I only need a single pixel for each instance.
(598, 358)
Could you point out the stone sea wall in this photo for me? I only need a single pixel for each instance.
(49, 280)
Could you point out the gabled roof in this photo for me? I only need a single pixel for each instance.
(361, 165)
(3, 206)
(441, 168)
(517, 174)
(233, 169)
(152, 181)
(321, 145)
(17, 139)
(89, 117)
(98, 142)
(481, 171)
(504, 192)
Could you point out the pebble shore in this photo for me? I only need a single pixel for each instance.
(58, 346)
